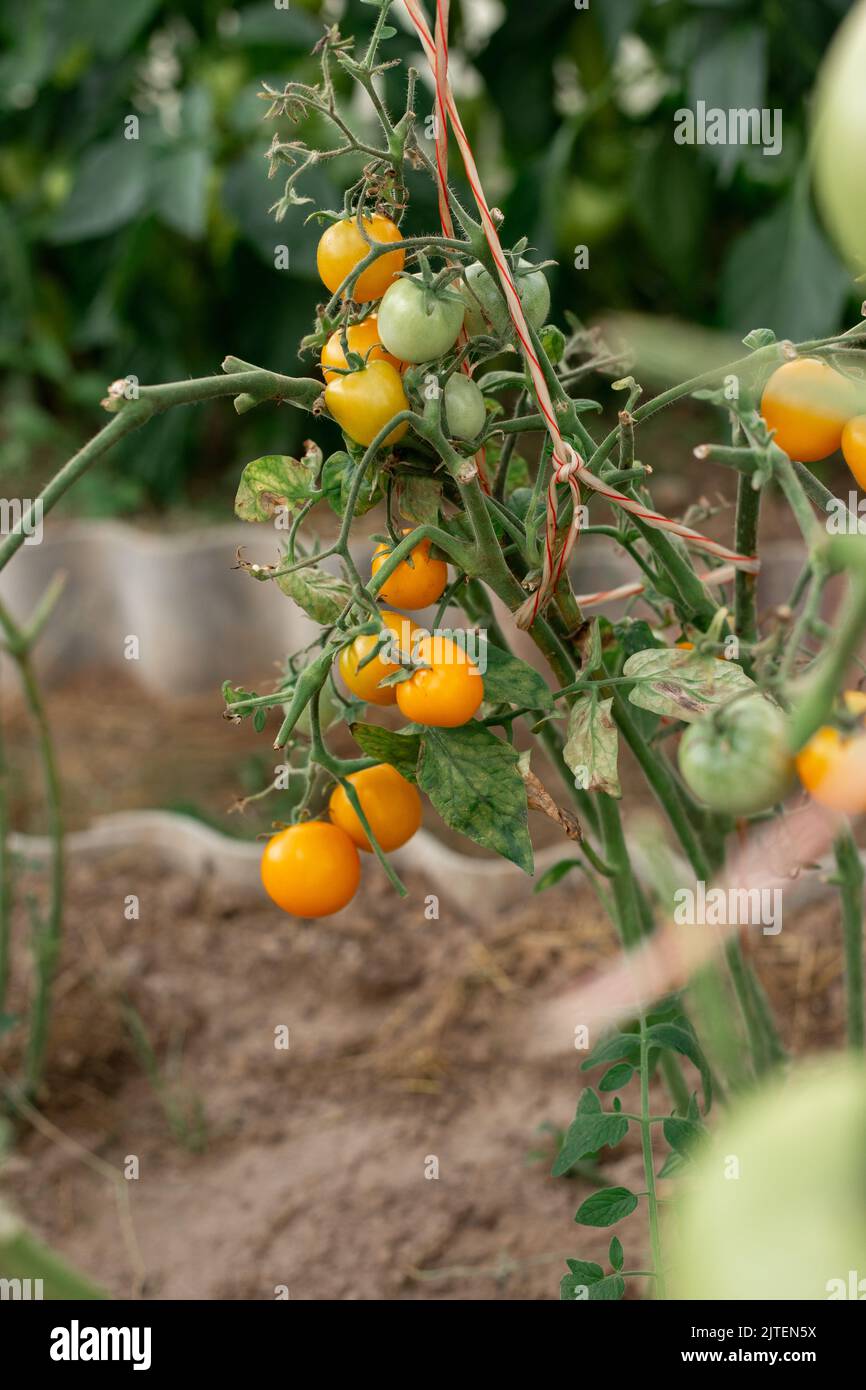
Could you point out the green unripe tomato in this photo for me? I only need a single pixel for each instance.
(840, 138)
(414, 324)
(736, 759)
(486, 311)
(773, 1204)
(464, 407)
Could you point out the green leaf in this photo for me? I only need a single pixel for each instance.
(683, 684)
(555, 874)
(617, 1077)
(621, 1046)
(338, 475)
(606, 1207)
(420, 500)
(673, 1164)
(400, 750)
(275, 482)
(587, 1270)
(473, 781)
(592, 746)
(609, 1287)
(553, 342)
(496, 381)
(759, 337)
(507, 679)
(683, 1135)
(679, 1039)
(110, 189)
(729, 71)
(782, 272)
(180, 189)
(587, 1133)
(321, 595)
(615, 1254)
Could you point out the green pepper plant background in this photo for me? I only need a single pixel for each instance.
(156, 256)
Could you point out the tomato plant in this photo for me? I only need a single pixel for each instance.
(461, 717)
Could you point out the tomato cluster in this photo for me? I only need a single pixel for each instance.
(312, 869)
(415, 322)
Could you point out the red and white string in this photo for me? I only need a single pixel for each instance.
(567, 465)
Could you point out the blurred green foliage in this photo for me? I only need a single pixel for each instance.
(156, 255)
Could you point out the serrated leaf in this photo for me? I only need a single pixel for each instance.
(759, 337)
(673, 1164)
(573, 1289)
(592, 746)
(400, 750)
(555, 874)
(587, 1270)
(587, 1133)
(338, 475)
(507, 679)
(272, 483)
(621, 1046)
(420, 500)
(606, 1207)
(473, 781)
(615, 1254)
(495, 381)
(683, 1135)
(617, 1077)
(321, 595)
(683, 684)
(679, 1039)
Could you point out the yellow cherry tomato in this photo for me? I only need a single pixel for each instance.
(363, 402)
(341, 247)
(444, 693)
(832, 765)
(362, 338)
(390, 803)
(854, 447)
(414, 585)
(807, 404)
(364, 683)
(312, 869)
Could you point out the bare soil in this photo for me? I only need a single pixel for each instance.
(306, 1167)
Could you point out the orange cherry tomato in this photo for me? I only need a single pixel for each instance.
(341, 247)
(832, 765)
(854, 447)
(414, 585)
(444, 693)
(364, 682)
(363, 402)
(362, 338)
(390, 803)
(312, 869)
(807, 404)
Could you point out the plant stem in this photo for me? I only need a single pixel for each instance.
(47, 935)
(649, 1163)
(746, 543)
